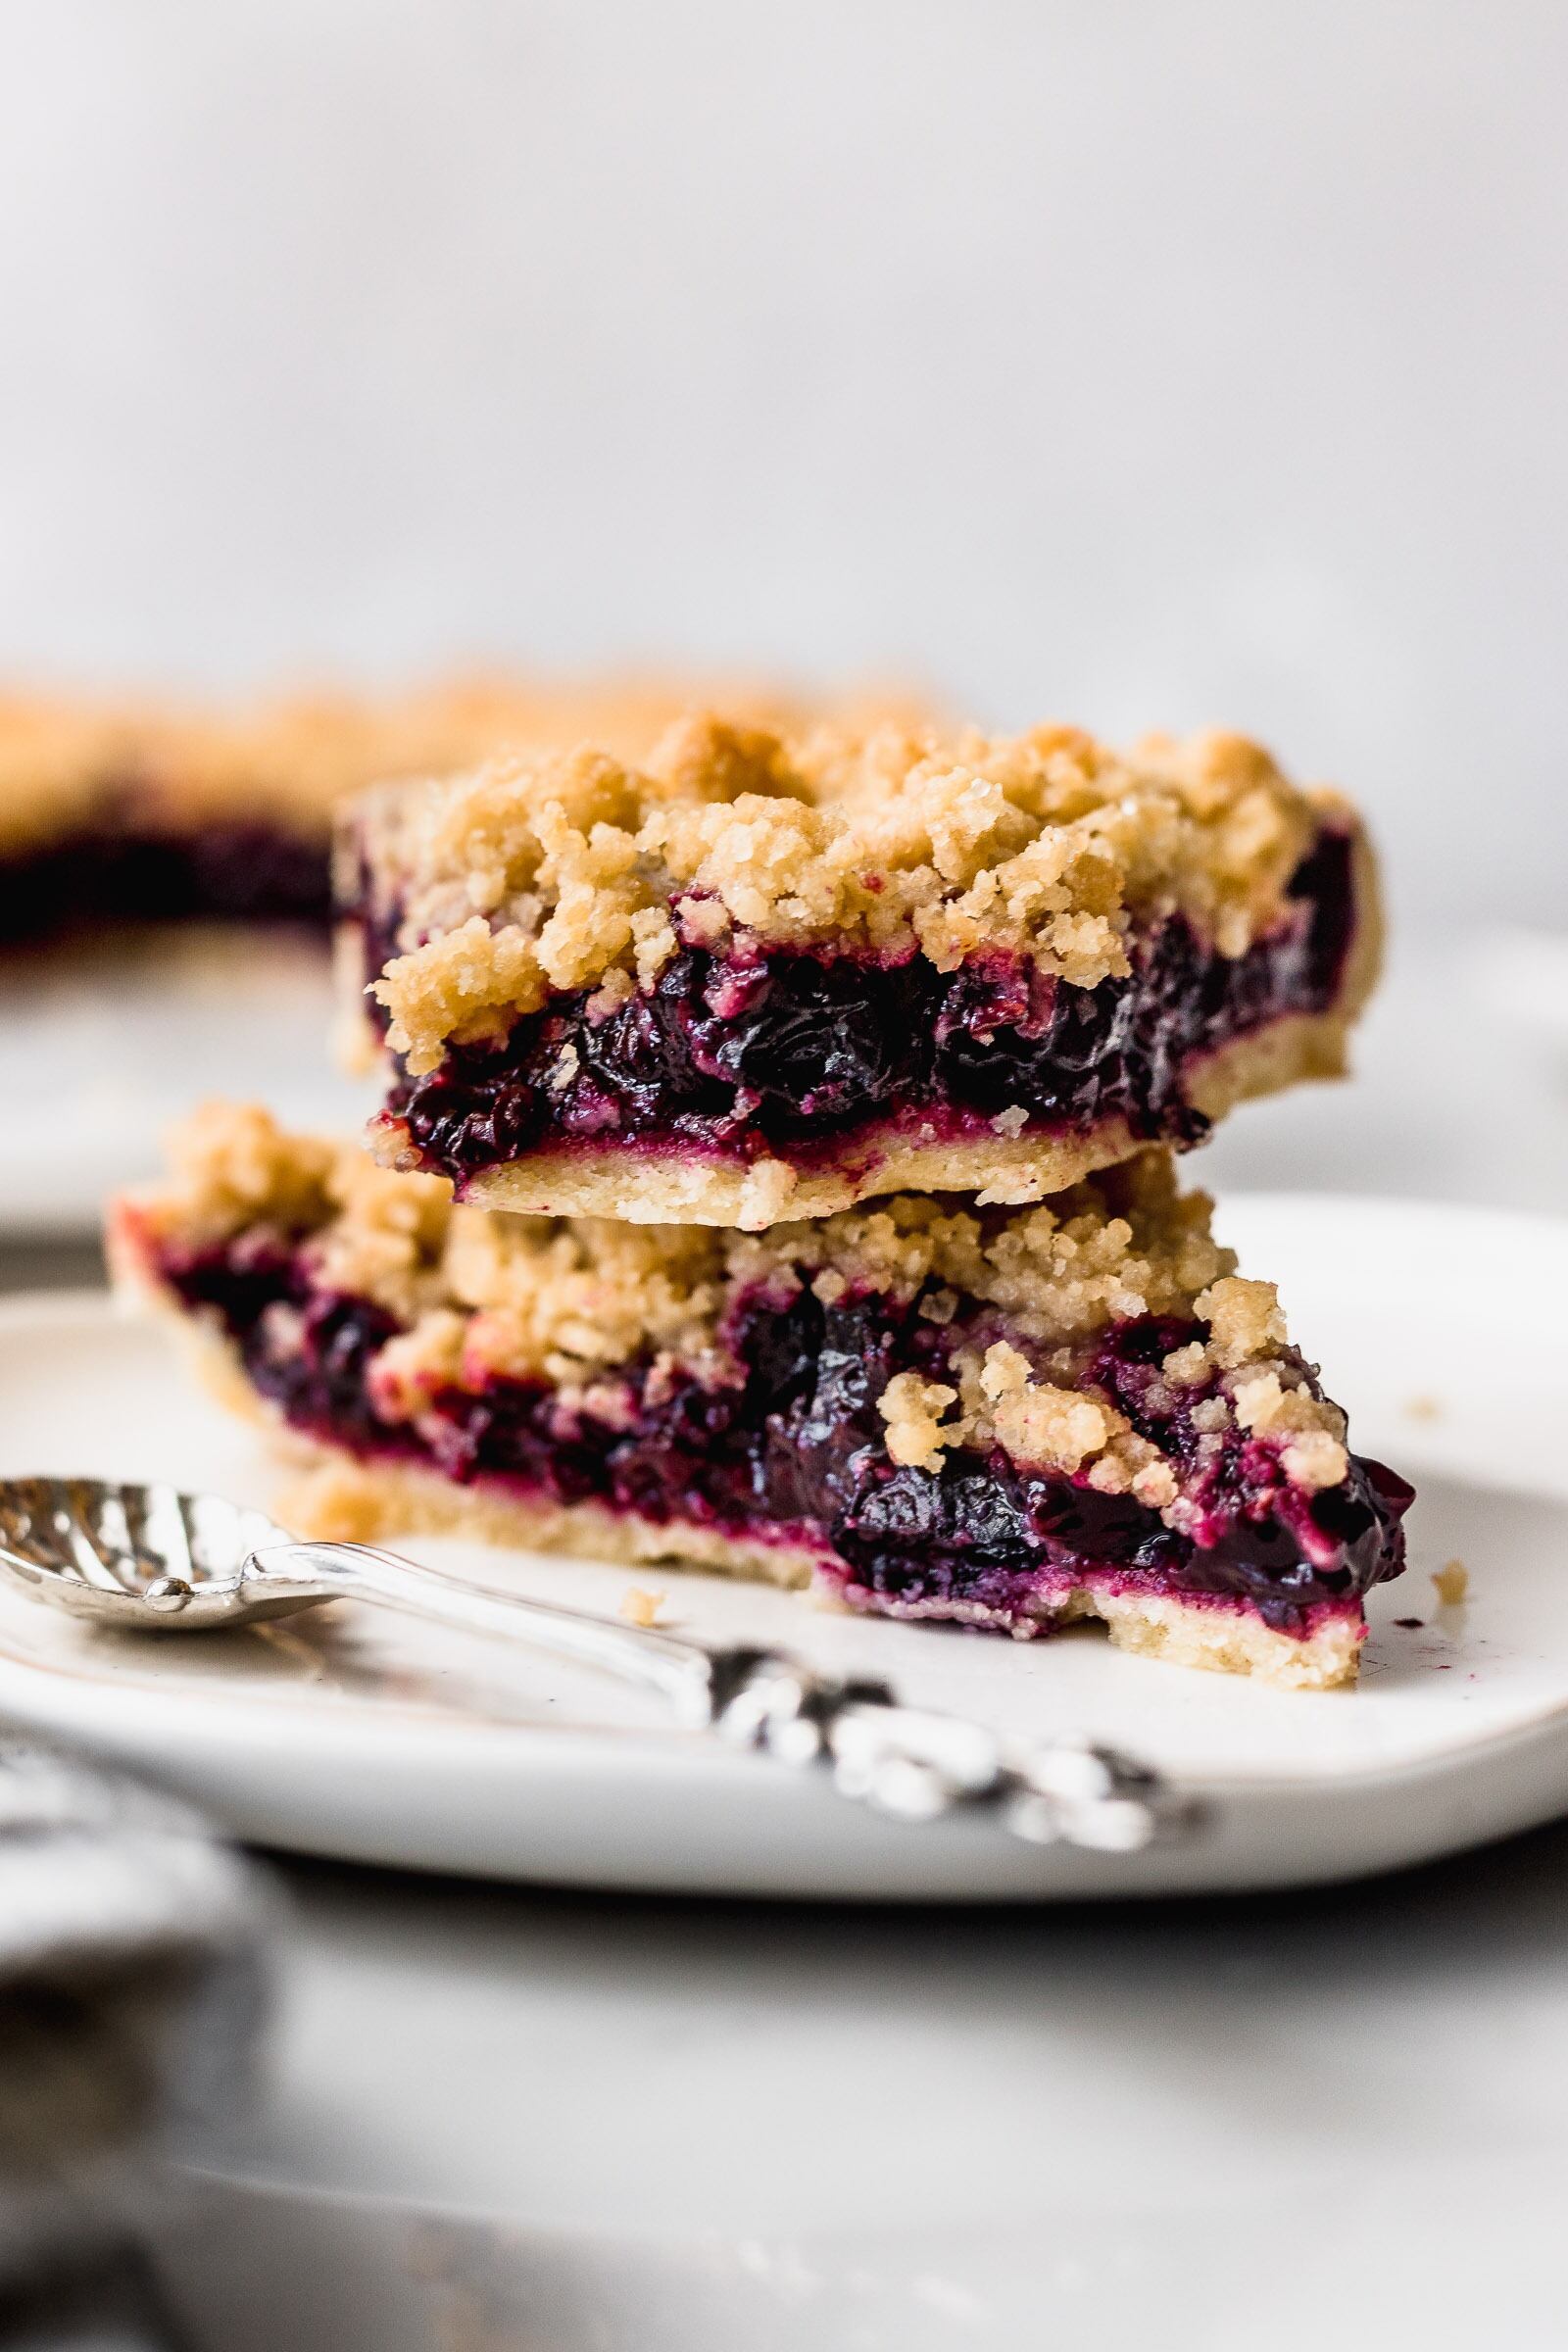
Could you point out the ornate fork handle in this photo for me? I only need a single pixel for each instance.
(904, 1761)
(918, 1765)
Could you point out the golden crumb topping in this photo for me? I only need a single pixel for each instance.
(549, 873)
(1125, 1243)
(579, 1303)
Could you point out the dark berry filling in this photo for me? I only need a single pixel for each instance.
(779, 1051)
(242, 872)
(794, 1449)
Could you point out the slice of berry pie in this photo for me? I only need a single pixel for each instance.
(760, 980)
(143, 813)
(1010, 1419)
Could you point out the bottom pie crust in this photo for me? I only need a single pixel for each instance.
(670, 1188)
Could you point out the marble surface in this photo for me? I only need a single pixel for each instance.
(502, 2119)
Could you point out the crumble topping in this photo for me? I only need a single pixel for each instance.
(375, 1233)
(1055, 1427)
(542, 875)
(1126, 1242)
(580, 1303)
(1244, 1318)
(1003, 1399)
(232, 1166)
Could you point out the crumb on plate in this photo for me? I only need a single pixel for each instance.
(1453, 1583)
(642, 1605)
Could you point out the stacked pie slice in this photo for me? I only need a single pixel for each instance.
(775, 1173)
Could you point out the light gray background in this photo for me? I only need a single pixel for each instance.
(1103, 359)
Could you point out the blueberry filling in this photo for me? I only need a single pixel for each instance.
(795, 1448)
(780, 1051)
(230, 873)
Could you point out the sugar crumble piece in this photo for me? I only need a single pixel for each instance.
(1451, 1584)
(1244, 1319)
(1316, 1459)
(1056, 1427)
(1155, 1486)
(703, 922)
(1004, 1372)
(913, 1410)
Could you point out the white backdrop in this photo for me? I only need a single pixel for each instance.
(1106, 359)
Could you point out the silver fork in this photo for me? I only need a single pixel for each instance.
(149, 1559)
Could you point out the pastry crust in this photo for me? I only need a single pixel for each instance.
(647, 1188)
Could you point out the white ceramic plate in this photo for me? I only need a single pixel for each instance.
(355, 1734)
(101, 1052)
